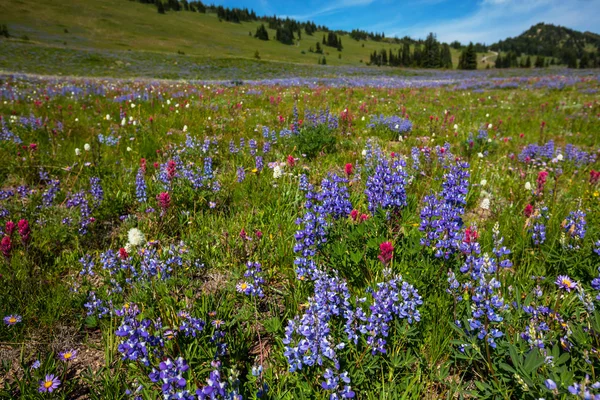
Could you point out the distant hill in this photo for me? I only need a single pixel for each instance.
(550, 41)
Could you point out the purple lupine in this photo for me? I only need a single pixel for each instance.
(441, 217)
(80, 201)
(574, 227)
(50, 194)
(252, 286)
(385, 188)
(140, 187)
(96, 191)
(241, 174)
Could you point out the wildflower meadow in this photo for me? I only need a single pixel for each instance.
(427, 236)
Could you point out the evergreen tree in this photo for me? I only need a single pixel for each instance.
(446, 57)
(528, 62)
(585, 59)
(406, 60)
(319, 49)
(539, 62)
(468, 58)
(384, 59)
(416, 57)
(431, 54)
(261, 33)
(160, 7)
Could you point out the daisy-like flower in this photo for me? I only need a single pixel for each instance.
(566, 283)
(36, 364)
(217, 323)
(68, 355)
(12, 320)
(49, 384)
(243, 287)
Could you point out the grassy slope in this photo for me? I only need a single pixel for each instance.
(125, 25)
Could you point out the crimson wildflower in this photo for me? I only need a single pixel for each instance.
(24, 230)
(164, 200)
(6, 246)
(348, 169)
(385, 252)
(10, 227)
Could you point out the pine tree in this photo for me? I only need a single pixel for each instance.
(431, 55)
(539, 62)
(261, 33)
(160, 7)
(406, 55)
(446, 57)
(468, 58)
(499, 62)
(528, 62)
(585, 59)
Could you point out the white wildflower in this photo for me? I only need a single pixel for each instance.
(277, 172)
(559, 157)
(483, 182)
(527, 186)
(77, 152)
(128, 148)
(87, 147)
(485, 204)
(364, 152)
(135, 237)
(185, 128)
(480, 155)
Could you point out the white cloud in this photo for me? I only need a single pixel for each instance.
(333, 8)
(498, 19)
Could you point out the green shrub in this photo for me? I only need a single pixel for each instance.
(315, 139)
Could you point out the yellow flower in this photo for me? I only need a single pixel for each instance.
(596, 193)
(255, 170)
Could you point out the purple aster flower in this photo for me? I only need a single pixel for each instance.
(566, 283)
(68, 355)
(12, 319)
(49, 384)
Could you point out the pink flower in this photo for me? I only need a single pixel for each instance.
(348, 168)
(24, 230)
(385, 252)
(528, 210)
(164, 200)
(354, 215)
(10, 227)
(471, 235)
(541, 181)
(6, 246)
(291, 161)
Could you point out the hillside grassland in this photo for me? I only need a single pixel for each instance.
(343, 235)
(131, 26)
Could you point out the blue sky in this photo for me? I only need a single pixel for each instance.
(477, 20)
